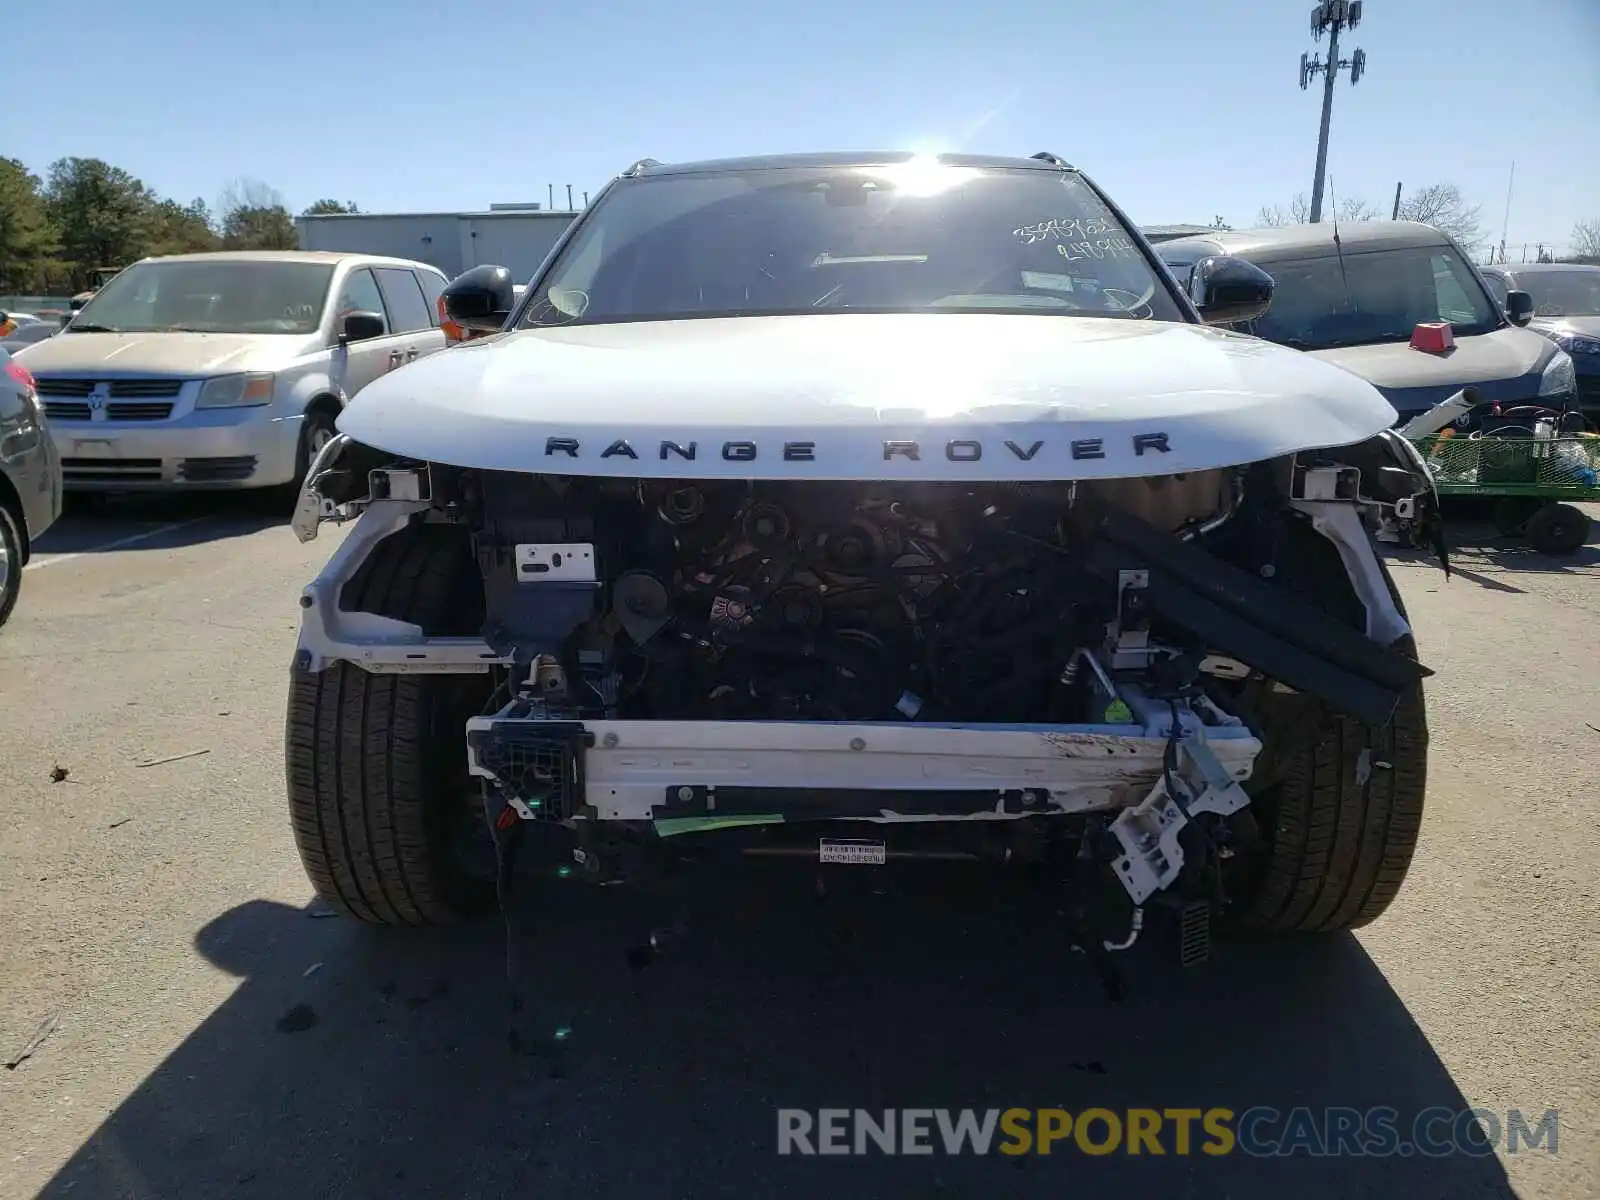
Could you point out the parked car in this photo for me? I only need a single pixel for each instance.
(858, 507)
(1356, 301)
(30, 477)
(27, 333)
(1566, 309)
(226, 370)
(102, 276)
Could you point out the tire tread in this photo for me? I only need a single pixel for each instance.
(357, 748)
(1342, 838)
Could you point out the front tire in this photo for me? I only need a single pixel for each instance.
(385, 818)
(1340, 808)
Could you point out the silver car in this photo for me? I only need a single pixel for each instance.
(27, 333)
(30, 477)
(228, 370)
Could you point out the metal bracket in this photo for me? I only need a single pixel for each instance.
(550, 562)
(328, 633)
(310, 509)
(1129, 635)
(398, 483)
(1152, 857)
(1328, 483)
(1341, 524)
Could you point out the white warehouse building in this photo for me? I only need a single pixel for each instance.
(517, 236)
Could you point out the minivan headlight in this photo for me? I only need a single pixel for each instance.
(235, 391)
(1559, 376)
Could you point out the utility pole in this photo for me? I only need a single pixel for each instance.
(1506, 225)
(1331, 17)
(1395, 215)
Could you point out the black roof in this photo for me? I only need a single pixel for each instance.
(837, 158)
(1298, 241)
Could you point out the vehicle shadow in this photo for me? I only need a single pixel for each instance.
(94, 523)
(385, 1070)
(1482, 554)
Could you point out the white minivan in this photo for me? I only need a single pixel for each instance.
(226, 370)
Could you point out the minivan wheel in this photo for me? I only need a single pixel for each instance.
(316, 431)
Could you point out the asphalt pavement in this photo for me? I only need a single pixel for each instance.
(198, 1028)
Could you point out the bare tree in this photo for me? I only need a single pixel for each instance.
(1298, 211)
(1356, 209)
(253, 216)
(1586, 241)
(1442, 206)
(245, 193)
(1295, 214)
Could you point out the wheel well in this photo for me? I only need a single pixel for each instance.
(416, 566)
(325, 404)
(12, 503)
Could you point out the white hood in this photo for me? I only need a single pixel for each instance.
(860, 396)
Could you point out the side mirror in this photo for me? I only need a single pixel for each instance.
(1227, 289)
(481, 299)
(76, 303)
(1519, 307)
(359, 326)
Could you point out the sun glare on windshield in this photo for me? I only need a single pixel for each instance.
(922, 176)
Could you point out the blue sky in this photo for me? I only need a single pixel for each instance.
(1182, 109)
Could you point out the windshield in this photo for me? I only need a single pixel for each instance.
(210, 296)
(910, 237)
(1562, 293)
(1376, 296)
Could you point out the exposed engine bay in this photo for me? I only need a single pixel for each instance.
(926, 602)
(923, 602)
(773, 601)
(892, 654)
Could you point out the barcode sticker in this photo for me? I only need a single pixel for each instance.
(872, 854)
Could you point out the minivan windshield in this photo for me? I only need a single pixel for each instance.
(1371, 297)
(1563, 293)
(210, 296)
(917, 236)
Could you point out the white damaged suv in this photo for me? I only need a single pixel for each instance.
(858, 507)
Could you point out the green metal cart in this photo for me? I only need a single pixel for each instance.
(1538, 481)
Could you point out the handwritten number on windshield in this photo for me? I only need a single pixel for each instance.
(1112, 247)
(1063, 228)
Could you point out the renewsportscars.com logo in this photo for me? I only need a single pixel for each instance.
(1259, 1132)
